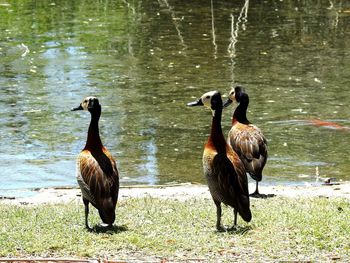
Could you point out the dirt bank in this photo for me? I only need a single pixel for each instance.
(182, 192)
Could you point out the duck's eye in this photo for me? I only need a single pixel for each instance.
(85, 101)
(207, 97)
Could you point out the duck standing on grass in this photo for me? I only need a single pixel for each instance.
(224, 171)
(247, 139)
(97, 173)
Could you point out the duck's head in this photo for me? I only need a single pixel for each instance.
(90, 104)
(211, 100)
(236, 94)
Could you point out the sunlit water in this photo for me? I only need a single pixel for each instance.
(145, 60)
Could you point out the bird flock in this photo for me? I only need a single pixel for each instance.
(226, 161)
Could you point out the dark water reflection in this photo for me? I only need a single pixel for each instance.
(145, 60)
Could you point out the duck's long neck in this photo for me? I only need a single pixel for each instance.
(240, 113)
(93, 141)
(216, 137)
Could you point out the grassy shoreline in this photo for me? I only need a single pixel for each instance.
(151, 228)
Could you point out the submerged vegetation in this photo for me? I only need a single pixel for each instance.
(314, 229)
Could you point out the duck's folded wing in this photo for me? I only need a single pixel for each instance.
(90, 177)
(249, 143)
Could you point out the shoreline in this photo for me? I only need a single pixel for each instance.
(180, 192)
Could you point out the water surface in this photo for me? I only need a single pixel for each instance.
(145, 60)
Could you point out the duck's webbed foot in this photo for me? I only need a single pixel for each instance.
(221, 228)
(263, 196)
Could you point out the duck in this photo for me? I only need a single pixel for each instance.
(96, 170)
(224, 171)
(246, 138)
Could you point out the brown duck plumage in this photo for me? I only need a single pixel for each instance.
(97, 173)
(247, 139)
(223, 169)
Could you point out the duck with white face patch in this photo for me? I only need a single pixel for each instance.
(97, 172)
(247, 139)
(223, 169)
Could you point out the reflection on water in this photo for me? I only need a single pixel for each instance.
(145, 60)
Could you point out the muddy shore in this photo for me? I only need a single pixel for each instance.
(181, 192)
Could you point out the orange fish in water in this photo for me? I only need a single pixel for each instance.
(328, 124)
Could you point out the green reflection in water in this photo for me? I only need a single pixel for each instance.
(145, 60)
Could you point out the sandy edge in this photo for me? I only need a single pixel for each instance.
(181, 192)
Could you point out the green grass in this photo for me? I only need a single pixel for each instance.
(282, 229)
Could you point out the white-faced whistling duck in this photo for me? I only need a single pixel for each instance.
(247, 139)
(97, 173)
(223, 169)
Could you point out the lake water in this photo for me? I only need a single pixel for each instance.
(145, 60)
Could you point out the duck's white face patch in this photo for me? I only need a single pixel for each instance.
(85, 102)
(206, 99)
(232, 95)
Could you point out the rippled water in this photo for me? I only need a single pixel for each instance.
(145, 60)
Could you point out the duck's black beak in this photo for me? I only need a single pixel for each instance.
(195, 103)
(77, 108)
(227, 103)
